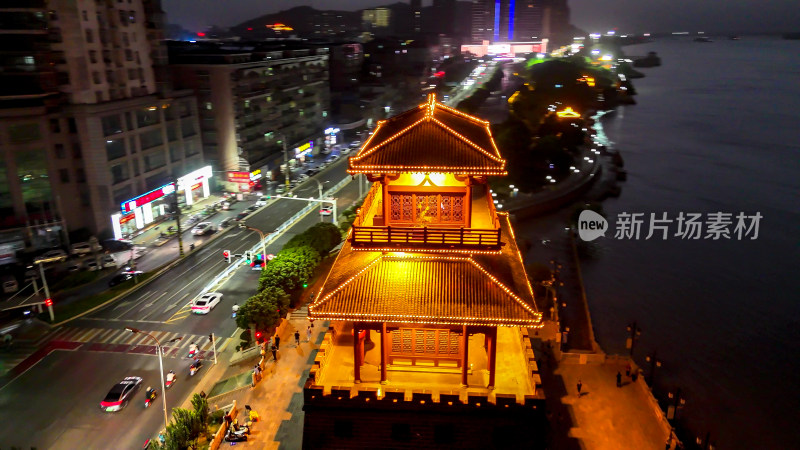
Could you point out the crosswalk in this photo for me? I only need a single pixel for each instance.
(120, 340)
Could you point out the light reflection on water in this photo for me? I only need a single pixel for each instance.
(715, 129)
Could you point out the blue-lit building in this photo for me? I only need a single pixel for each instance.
(518, 20)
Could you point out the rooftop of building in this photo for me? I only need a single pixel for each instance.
(431, 137)
(218, 52)
(447, 287)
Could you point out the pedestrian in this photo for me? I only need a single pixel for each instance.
(619, 379)
(628, 370)
(635, 375)
(297, 337)
(277, 342)
(275, 352)
(228, 420)
(202, 394)
(580, 385)
(308, 333)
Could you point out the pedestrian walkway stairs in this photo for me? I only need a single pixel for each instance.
(299, 314)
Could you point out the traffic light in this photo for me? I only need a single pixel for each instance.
(269, 197)
(258, 336)
(305, 285)
(227, 255)
(48, 302)
(248, 256)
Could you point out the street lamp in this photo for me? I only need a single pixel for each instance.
(160, 365)
(654, 363)
(263, 240)
(635, 332)
(676, 401)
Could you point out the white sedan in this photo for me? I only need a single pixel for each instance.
(206, 302)
(326, 211)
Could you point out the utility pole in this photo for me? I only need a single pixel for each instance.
(654, 363)
(287, 171)
(178, 220)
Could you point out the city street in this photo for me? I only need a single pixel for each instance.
(74, 382)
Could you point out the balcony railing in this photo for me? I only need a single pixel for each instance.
(425, 237)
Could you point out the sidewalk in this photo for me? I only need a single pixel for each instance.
(604, 416)
(148, 237)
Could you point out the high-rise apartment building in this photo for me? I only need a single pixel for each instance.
(252, 96)
(83, 129)
(508, 20)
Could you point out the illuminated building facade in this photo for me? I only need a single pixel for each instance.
(85, 120)
(251, 95)
(428, 300)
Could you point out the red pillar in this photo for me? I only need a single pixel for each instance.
(492, 350)
(383, 353)
(356, 355)
(464, 355)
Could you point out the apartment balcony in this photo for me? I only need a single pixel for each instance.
(371, 231)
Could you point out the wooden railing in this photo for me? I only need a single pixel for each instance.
(419, 237)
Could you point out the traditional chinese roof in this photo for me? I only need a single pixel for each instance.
(448, 288)
(430, 138)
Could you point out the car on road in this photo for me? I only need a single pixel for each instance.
(262, 201)
(242, 215)
(203, 228)
(123, 277)
(355, 144)
(206, 302)
(346, 150)
(226, 222)
(120, 394)
(333, 158)
(326, 211)
(57, 255)
(252, 208)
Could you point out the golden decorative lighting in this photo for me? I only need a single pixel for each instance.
(567, 113)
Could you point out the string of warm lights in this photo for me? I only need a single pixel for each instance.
(469, 142)
(459, 170)
(502, 286)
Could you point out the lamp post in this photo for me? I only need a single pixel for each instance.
(47, 301)
(635, 332)
(178, 220)
(160, 366)
(263, 239)
(654, 363)
(676, 401)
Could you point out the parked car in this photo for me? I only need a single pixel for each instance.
(303, 177)
(92, 266)
(74, 267)
(242, 215)
(55, 255)
(109, 262)
(83, 248)
(326, 211)
(251, 208)
(203, 228)
(280, 189)
(262, 201)
(10, 284)
(333, 158)
(355, 144)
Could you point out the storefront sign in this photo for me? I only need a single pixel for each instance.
(194, 177)
(126, 219)
(195, 186)
(304, 149)
(144, 199)
(239, 177)
(255, 175)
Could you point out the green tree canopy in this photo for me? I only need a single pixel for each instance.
(322, 237)
(263, 309)
(290, 269)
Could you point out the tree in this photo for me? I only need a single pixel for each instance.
(183, 431)
(290, 269)
(200, 405)
(262, 309)
(322, 237)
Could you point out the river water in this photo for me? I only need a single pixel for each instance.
(715, 130)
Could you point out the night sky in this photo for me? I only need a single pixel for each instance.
(590, 15)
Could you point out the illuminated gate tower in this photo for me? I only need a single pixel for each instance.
(431, 271)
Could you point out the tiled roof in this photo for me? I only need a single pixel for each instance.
(431, 288)
(430, 137)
